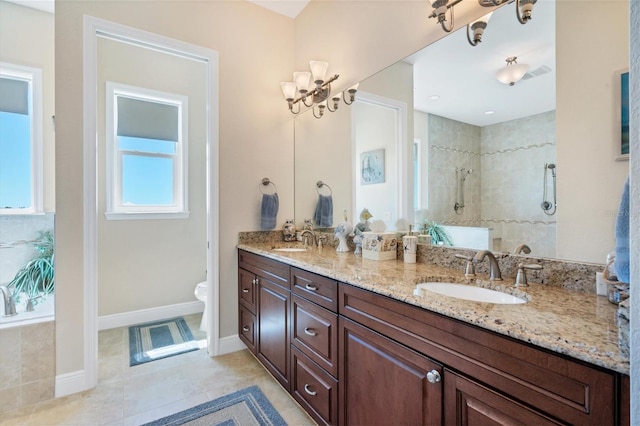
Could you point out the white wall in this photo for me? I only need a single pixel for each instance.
(26, 38)
(585, 126)
(152, 263)
(256, 133)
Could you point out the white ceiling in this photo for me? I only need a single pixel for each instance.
(290, 8)
(463, 76)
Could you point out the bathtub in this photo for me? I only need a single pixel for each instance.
(44, 312)
(470, 237)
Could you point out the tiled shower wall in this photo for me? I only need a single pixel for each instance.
(504, 191)
(27, 367)
(452, 145)
(513, 157)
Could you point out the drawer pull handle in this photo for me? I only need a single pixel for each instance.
(246, 328)
(310, 332)
(310, 392)
(245, 290)
(311, 287)
(433, 376)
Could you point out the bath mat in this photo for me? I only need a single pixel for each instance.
(161, 339)
(246, 407)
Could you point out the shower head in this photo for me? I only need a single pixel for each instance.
(551, 166)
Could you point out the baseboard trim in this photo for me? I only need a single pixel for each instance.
(231, 344)
(126, 319)
(69, 383)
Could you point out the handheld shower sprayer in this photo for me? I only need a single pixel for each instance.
(549, 207)
(461, 176)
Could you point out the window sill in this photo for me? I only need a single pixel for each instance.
(146, 215)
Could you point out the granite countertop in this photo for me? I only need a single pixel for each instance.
(578, 324)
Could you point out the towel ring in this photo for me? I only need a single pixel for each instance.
(319, 186)
(267, 182)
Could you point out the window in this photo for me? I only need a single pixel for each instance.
(20, 139)
(146, 153)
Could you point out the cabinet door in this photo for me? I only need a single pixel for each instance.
(383, 382)
(469, 403)
(273, 329)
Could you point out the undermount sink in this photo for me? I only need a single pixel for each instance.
(290, 249)
(468, 292)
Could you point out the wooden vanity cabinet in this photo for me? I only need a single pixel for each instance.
(352, 357)
(266, 283)
(523, 381)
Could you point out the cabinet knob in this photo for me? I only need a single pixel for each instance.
(254, 281)
(311, 287)
(245, 290)
(433, 376)
(310, 332)
(310, 392)
(245, 328)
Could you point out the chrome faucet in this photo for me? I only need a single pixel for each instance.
(522, 248)
(9, 303)
(308, 236)
(494, 269)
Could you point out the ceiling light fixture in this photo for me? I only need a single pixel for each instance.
(318, 97)
(524, 8)
(477, 27)
(440, 8)
(512, 72)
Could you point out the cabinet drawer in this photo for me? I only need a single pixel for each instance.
(271, 269)
(247, 328)
(314, 389)
(318, 289)
(247, 289)
(315, 332)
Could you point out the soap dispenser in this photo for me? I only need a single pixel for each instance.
(289, 230)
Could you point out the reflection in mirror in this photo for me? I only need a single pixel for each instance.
(459, 116)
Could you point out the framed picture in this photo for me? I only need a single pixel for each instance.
(622, 122)
(372, 167)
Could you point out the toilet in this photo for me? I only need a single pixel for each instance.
(201, 294)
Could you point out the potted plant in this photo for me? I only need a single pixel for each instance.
(36, 278)
(439, 235)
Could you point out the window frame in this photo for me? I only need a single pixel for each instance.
(115, 209)
(33, 76)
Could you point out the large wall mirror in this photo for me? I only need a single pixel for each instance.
(476, 155)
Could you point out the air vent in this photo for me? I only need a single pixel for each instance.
(537, 72)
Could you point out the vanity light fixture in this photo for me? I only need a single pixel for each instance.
(512, 72)
(440, 8)
(524, 8)
(477, 27)
(319, 98)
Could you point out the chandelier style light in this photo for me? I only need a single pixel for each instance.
(512, 72)
(477, 27)
(524, 8)
(440, 8)
(319, 98)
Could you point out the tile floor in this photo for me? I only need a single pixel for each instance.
(135, 395)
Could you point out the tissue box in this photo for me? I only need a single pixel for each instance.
(379, 245)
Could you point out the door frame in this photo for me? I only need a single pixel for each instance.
(94, 28)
